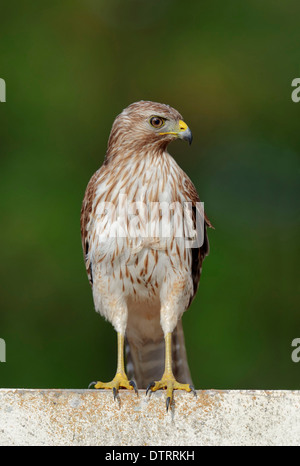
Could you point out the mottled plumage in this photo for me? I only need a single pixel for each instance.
(142, 284)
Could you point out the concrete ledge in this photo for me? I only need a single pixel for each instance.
(90, 417)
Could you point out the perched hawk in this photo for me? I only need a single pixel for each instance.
(143, 272)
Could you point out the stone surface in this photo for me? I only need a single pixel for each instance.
(90, 417)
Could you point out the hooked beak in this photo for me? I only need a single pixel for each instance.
(182, 132)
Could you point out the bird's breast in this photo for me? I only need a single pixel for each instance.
(138, 227)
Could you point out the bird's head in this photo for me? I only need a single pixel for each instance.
(147, 124)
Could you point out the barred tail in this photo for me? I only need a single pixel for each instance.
(146, 363)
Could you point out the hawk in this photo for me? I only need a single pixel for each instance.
(143, 278)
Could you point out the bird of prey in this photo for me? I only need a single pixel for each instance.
(143, 279)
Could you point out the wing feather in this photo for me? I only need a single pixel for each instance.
(85, 219)
(198, 253)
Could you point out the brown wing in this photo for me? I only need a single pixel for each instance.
(85, 218)
(198, 253)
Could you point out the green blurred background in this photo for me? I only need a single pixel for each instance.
(70, 67)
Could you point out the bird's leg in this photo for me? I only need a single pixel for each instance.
(168, 381)
(120, 380)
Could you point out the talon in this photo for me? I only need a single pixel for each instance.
(92, 384)
(193, 390)
(149, 388)
(115, 392)
(133, 385)
(168, 402)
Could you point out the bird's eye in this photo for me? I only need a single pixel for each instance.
(157, 122)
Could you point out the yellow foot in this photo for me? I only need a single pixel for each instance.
(119, 381)
(169, 383)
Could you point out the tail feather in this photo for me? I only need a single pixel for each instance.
(146, 363)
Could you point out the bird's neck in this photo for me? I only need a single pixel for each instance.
(144, 175)
(123, 151)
